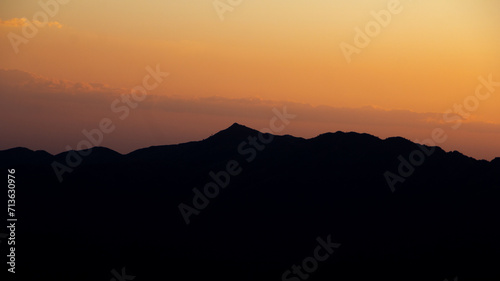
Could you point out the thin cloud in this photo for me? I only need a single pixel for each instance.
(24, 85)
(29, 83)
(20, 22)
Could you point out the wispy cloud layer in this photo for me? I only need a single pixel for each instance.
(49, 114)
(19, 22)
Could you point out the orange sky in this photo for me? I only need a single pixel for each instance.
(424, 61)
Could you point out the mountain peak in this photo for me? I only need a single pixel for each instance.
(236, 126)
(235, 131)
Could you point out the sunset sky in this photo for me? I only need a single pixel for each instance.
(236, 65)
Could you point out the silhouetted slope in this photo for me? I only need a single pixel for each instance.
(96, 155)
(496, 161)
(21, 155)
(116, 211)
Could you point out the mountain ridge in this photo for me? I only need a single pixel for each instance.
(258, 208)
(235, 132)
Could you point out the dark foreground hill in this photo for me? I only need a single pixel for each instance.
(246, 206)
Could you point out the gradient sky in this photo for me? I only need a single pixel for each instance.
(264, 54)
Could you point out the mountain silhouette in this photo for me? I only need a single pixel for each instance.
(259, 204)
(235, 131)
